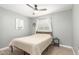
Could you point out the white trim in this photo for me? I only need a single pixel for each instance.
(4, 48)
(65, 46)
(68, 47)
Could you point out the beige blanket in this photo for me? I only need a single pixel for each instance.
(34, 44)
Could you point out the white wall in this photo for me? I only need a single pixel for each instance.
(62, 27)
(8, 26)
(76, 27)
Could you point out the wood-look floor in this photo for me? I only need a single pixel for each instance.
(52, 50)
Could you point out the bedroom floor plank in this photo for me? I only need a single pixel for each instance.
(52, 50)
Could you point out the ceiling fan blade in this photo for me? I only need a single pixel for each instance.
(36, 7)
(42, 9)
(30, 6)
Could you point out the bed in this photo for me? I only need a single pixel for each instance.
(34, 44)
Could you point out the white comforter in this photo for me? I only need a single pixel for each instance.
(34, 44)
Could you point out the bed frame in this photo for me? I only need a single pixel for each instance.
(39, 33)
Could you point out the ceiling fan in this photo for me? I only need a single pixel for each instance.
(36, 7)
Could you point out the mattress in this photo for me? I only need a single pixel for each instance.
(34, 44)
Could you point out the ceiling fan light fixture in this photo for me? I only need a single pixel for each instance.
(36, 12)
(35, 7)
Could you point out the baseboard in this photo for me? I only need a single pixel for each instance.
(68, 47)
(4, 48)
(65, 46)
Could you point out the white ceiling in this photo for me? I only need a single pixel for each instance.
(27, 11)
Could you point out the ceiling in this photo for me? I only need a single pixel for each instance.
(27, 11)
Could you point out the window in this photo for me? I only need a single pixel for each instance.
(19, 24)
(44, 25)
